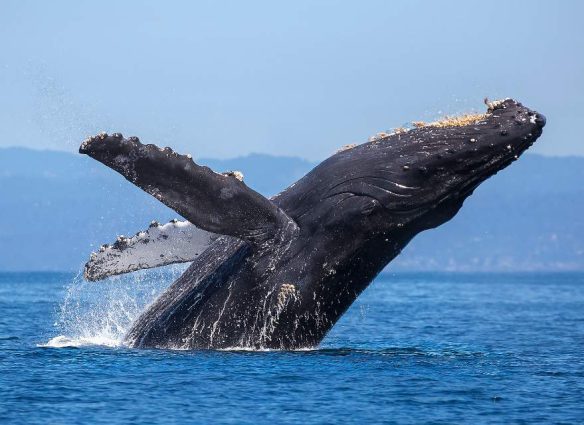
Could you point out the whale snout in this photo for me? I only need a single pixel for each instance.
(540, 120)
(510, 128)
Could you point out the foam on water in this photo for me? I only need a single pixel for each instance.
(63, 341)
(100, 313)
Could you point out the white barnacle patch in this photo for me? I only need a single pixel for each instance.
(86, 143)
(346, 147)
(378, 136)
(384, 134)
(233, 173)
(495, 104)
(285, 295)
(458, 121)
(447, 121)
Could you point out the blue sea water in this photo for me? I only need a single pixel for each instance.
(414, 348)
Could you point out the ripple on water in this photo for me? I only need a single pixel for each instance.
(9, 338)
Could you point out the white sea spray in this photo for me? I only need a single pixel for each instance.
(100, 313)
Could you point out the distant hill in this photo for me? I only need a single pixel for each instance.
(56, 207)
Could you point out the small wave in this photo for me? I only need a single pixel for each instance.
(266, 350)
(9, 338)
(393, 352)
(63, 341)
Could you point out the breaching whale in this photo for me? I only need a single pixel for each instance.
(278, 273)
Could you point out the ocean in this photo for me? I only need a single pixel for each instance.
(414, 348)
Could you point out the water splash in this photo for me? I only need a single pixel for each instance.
(100, 313)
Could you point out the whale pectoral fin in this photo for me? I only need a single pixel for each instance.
(214, 202)
(160, 245)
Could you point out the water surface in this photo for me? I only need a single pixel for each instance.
(432, 348)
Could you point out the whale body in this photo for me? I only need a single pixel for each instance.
(278, 273)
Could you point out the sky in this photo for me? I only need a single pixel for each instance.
(222, 79)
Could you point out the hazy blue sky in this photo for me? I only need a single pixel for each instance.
(222, 79)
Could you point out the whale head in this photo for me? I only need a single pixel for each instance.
(399, 184)
(438, 165)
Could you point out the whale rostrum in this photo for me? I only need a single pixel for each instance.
(279, 272)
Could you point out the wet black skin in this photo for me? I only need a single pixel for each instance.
(288, 269)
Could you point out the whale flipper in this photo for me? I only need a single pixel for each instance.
(218, 203)
(159, 245)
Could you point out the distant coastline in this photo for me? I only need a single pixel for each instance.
(57, 206)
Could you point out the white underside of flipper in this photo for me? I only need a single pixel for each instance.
(174, 242)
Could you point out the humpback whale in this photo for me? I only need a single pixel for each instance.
(278, 273)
